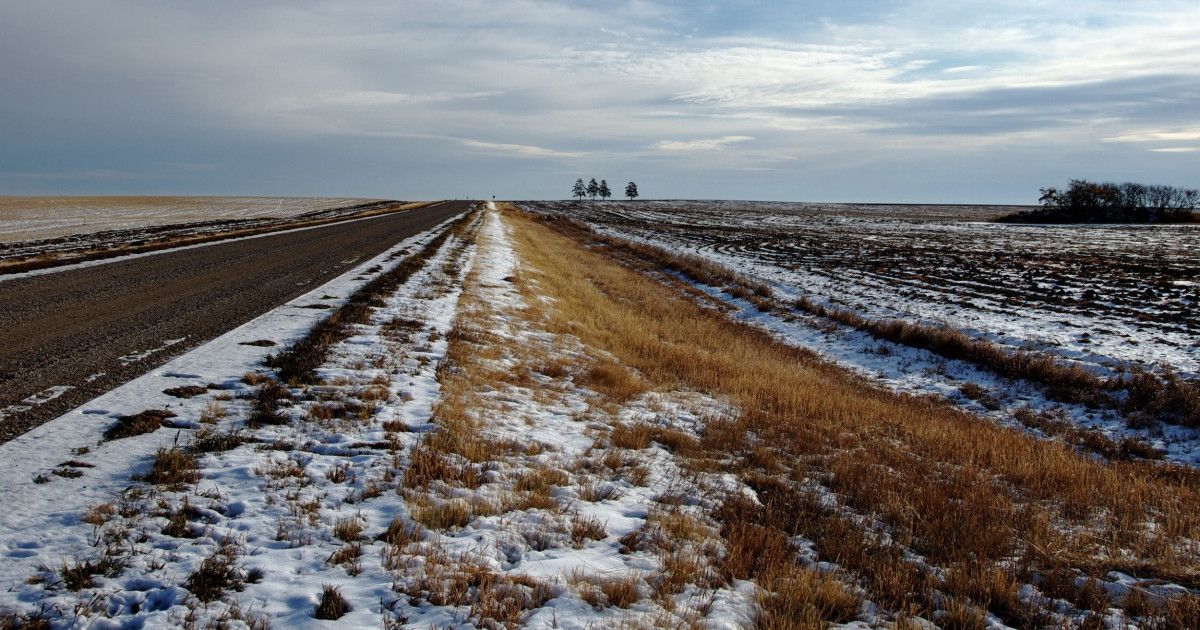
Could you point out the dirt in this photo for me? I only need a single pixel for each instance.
(93, 328)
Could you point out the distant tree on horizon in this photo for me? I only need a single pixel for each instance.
(605, 191)
(579, 190)
(593, 189)
(631, 191)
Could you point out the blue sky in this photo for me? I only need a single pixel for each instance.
(891, 101)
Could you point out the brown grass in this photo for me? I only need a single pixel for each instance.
(217, 574)
(173, 468)
(943, 484)
(333, 604)
(147, 421)
(348, 529)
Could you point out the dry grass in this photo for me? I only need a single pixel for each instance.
(941, 483)
(173, 468)
(348, 529)
(216, 575)
(333, 604)
(602, 592)
(147, 421)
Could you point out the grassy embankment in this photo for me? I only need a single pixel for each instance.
(936, 514)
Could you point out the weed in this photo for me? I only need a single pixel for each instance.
(348, 529)
(147, 421)
(347, 557)
(596, 491)
(265, 410)
(172, 467)
(187, 391)
(217, 574)
(206, 440)
(333, 605)
(78, 576)
(212, 413)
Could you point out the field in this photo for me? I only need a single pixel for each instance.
(1104, 299)
(29, 218)
(517, 420)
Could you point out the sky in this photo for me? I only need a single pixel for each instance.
(904, 101)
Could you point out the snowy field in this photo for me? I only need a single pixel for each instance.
(1103, 297)
(331, 498)
(28, 218)
(461, 461)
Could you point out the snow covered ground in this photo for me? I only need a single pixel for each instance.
(453, 468)
(1105, 297)
(53, 477)
(340, 498)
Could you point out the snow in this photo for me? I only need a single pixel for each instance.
(277, 502)
(40, 524)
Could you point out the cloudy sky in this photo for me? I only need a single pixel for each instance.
(822, 100)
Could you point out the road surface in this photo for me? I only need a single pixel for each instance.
(60, 330)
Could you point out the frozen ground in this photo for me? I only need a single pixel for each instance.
(28, 218)
(551, 524)
(1106, 297)
(273, 507)
(40, 473)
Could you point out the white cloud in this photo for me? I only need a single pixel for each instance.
(1156, 136)
(520, 150)
(1176, 150)
(710, 144)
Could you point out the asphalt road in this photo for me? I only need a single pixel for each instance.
(62, 329)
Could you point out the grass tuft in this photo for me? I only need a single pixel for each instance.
(147, 421)
(333, 604)
(172, 467)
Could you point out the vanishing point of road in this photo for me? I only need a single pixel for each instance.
(67, 337)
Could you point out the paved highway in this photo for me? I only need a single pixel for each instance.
(61, 329)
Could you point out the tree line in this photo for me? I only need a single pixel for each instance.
(593, 189)
(1090, 202)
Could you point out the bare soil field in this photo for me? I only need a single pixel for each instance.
(28, 218)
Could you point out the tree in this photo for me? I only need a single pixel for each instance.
(605, 192)
(579, 191)
(631, 191)
(593, 189)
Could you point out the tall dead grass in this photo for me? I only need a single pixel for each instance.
(924, 479)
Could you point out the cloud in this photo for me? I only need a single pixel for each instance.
(1156, 136)
(710, 144)
(368, 98)
(1176, 150)
(413, 95)
(520, 150)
